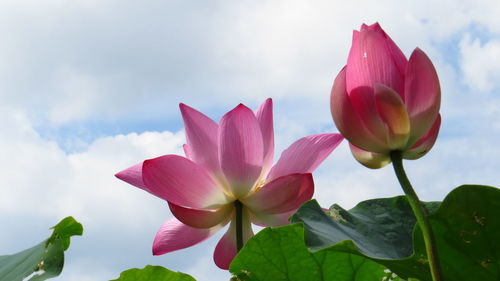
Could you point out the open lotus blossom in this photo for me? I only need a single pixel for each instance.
(228, 164)
(382, 102)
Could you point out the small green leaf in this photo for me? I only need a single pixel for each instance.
(280, 254)
(46, 258)
(466, 227)
(153, 273)
(65, 229)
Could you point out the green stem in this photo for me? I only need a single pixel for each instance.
(420, 213)
(239, 225)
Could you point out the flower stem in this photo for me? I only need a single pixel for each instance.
(239, 225)
(420, 213)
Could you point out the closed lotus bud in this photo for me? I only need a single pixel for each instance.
(383, 102)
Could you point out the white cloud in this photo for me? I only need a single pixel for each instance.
(480, 63)
(111, 59)
(83, 183)
(76, 85)
(40, 184)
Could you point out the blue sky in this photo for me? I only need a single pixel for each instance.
(88, 88)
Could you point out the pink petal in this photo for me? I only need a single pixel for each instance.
(423, 94)
(272, 220)
(364, 103)
(225, 251)
(283, 194)
(241, 149)
(393, 111)
(348, 120)
(174, 235)
(187, 151)
(264, 116)
(201, 135)
(182, 182)
(374, 58)
(396, 53)
(425, 143)
(133, 176)
(304, 155)
(200, 218)
(369, 159)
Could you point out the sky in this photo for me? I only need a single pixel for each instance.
(89, 88)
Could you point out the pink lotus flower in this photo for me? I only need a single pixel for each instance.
(382, 102)
(225, 163)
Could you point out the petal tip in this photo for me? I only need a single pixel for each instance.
(419, 52)
(268, 103)
(183, 107)
(155, 252)
(156, 248)
(238, 110)
(417, 49)
(375, 25)
(119, 175)
(241, 107)
(188, 111)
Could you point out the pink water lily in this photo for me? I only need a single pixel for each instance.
(227, 164)
(382, 102)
